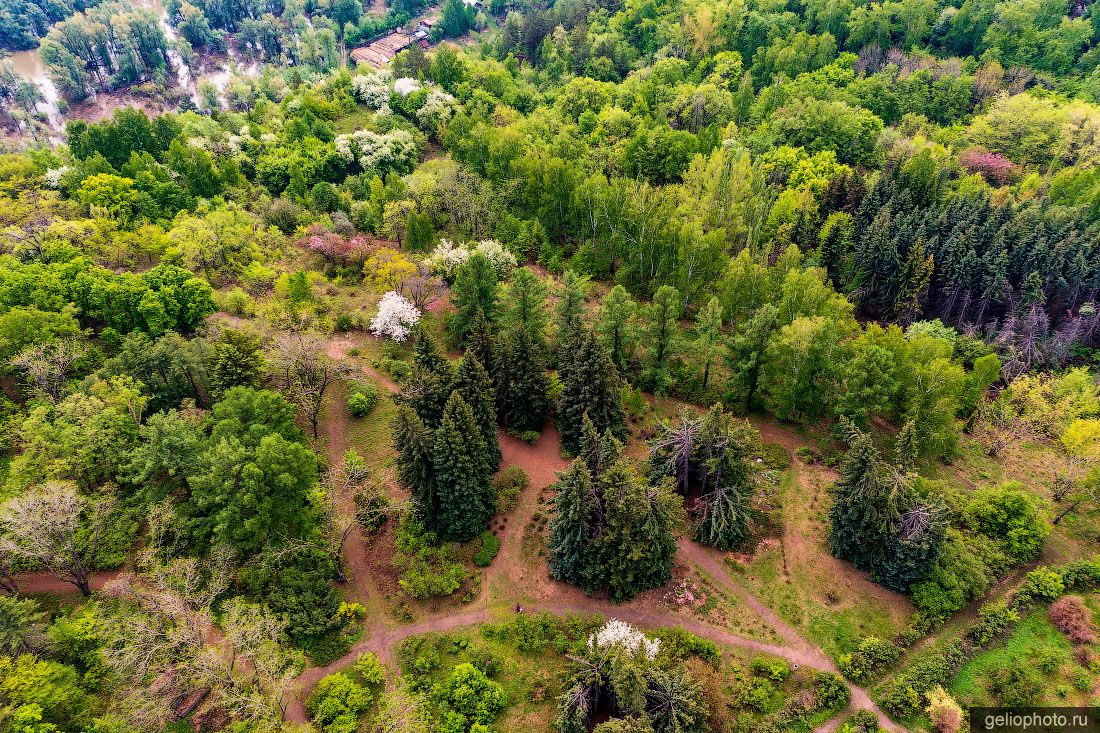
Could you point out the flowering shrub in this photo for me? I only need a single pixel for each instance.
(395, 318)
(437, 109)
(616, 633)
(502, 260)
(373, 90)
(1070, 616)
(352, 251)
(993, 167)
(378, 152)
(447, 257)
(406, 86)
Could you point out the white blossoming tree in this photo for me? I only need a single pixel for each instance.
(502, 260)
(616, 633)
(446, 258)
(379, 152)
(437, 110)
(406, 86)
(395, 318)
(373, 90)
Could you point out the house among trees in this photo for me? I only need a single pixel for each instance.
(381, 52)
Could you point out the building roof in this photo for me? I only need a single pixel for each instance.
(382, 51)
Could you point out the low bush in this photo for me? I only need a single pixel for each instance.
(945, 714)
(1041, 584)
(1070, 616)
(806, 454)
(863, 721)
(427, 569)
(469, 700)
(1082, 575)
(490, 546)
(634, 402)
(398, 369)
(678, 643)
(775, 456)
(371, 509)
(324, 649)
(776, 671)
(903, 696)
(509, 484)
(369, 669)
(1015, 685)
(527, 436)
(831, 691)
(337, 703)
(362, 398)
(964, 571)
(872, 655)
(993, 618)
(1008, 515)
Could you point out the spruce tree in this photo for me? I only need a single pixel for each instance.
(483, 345)
(415, 471)
(572, 526)
(462, 475)
(914, 547)
(864, 514)
(567, 317)
(428, 387)
(599, 452)
(591, 386)
(524, 303)
(635, 548)
(473, 383)
(475, 289)
(725, 519)
(522, 390)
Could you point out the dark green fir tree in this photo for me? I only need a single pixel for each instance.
(590, 385)
(522, 400)
(415, 471)
(475, 290)
(572, 526)
(462, 475)
(473, 383)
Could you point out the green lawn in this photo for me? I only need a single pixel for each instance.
(1035, 645)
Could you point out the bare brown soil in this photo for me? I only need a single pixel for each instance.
(515, 578)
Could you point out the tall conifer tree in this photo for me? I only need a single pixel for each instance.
(462, 475)
(524, 304)
(475, 289)
(591, 386)
(473, 383)
(864, 514)
(522, 398)
(415, 471)
(571, 527)
(428, 387)
(567, 318)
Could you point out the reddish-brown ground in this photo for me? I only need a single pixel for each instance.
(515, 577)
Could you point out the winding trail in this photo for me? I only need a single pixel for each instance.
(512, 578)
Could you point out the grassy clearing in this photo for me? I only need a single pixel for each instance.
(826, 600)
(739, 688)
(1045, 656)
